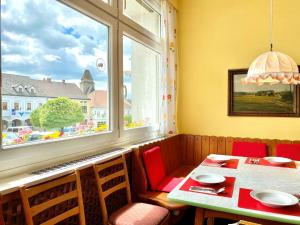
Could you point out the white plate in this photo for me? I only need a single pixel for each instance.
(219, 158)
(277, 160)
(208, 179)
(274, 199)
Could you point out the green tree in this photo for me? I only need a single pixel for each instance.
(58, 113)
(35, 117)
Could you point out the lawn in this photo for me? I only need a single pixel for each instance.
(252, 103)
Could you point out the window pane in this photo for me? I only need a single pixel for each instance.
(54, 72)
(140, 81)
(143, 14)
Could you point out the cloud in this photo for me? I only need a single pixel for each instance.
(46, 38)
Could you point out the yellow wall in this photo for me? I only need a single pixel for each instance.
(174, 3)
(217, 35)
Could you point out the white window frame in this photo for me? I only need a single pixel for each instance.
(144, 131)
(110, 8)
(29, 156)
(31, 104)
(125, 19)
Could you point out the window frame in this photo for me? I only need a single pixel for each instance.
(2, 104)
(16, 159)
(29, 155)
(131, 23)
(144, 131)
(110, 8)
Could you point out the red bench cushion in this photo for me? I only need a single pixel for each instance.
(291, 151)
(154, 166)
(249, 149)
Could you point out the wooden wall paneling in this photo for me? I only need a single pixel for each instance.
(296, 142)
(184, 151)
(177, 145)
(213, 145)
(221, 146)
(205, 147)
(190, 149)
(198, 150)
(229, 141)
(270, 146)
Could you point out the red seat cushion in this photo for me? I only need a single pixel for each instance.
(249, 149)
(154, 166)
(291, 151)
(168, 184)
(139, 214)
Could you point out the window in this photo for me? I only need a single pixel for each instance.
(84, 109)
(144, 14)
(16, 106)
(29, 106)
(75, 51)
(91, 84)
(4, 106)
(140, 82)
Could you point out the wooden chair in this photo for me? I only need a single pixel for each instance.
(132, 213)
(49, 187)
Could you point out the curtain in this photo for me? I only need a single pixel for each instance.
(169, 70)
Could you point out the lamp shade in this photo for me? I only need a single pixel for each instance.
(273, 67)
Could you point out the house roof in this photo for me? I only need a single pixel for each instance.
(42, 88)
(98, 99)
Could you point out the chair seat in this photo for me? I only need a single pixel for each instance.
(139, 214)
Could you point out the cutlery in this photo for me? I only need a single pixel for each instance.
(213, 164)
(207, 190)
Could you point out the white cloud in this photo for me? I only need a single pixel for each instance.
(52, 58)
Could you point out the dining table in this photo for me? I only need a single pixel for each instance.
(242, 175)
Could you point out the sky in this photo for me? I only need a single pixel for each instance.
(48, 39)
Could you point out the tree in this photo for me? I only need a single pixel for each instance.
(35, 117)
(58, 113)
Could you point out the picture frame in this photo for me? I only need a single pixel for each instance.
(278, 100)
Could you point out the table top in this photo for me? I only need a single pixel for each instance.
(250, 176)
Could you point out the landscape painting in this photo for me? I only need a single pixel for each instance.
(263, 100)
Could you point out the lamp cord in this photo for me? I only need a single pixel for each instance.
(271, 25)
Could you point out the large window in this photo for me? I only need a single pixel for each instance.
(57, 58)
(72, 82)
(140, 77)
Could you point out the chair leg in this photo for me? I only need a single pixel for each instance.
(199, 216)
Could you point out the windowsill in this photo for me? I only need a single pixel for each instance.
(12, 183)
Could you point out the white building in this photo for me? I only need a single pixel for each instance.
(21, 95)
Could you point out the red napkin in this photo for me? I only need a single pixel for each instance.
(247, 202)
(264, 162)
(232, 163)
(228, 184)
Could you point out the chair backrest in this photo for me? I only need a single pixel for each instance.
(103, 179)
(154, 166)
(28, 193)
(291, 151)
(249, 149)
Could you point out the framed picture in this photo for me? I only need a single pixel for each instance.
(278, 100)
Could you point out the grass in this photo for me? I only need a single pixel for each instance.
(252, 103)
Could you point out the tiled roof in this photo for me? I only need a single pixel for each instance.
(42, 88)
(98, 99)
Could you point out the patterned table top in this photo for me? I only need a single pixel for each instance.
(248, 176)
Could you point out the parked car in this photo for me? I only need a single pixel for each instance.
(18, 129)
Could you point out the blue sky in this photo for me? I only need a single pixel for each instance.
(48, 39)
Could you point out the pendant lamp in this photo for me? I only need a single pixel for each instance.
(273, 67)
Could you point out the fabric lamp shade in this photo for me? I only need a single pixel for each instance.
(273, 67)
